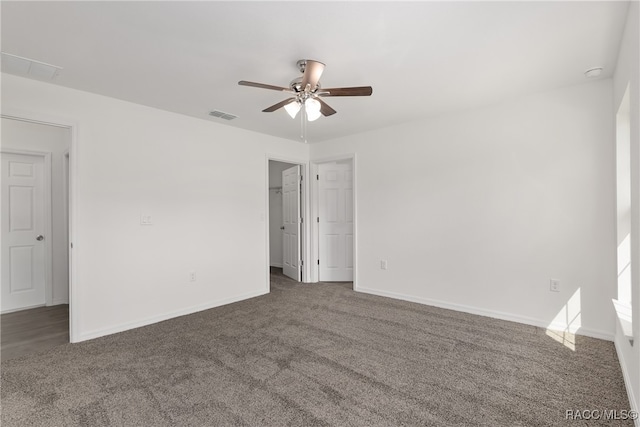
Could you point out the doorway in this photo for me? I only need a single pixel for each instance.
(35, 229)
(286, 219)
(340, 246)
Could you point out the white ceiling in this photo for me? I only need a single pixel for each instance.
(422, 58)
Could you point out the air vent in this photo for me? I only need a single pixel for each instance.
(222, 115)
(14, 64)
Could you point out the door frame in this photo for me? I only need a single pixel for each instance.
(315, 231)
(305, 247)
(65, 197)
(45, 119)
(47, 231)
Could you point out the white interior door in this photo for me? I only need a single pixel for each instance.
(23, 224)
(335, 222)
(291, 222)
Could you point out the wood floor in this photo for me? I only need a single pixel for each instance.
(35, 330)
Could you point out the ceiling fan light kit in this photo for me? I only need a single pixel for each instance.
(292, 108)
(312, 108)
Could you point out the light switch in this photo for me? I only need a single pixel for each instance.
(146, 220)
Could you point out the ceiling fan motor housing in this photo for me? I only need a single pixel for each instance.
(296, 86)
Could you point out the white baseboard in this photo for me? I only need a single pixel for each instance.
(625, 375)
(166, 316)
(603, 335)
(275, 264)
(13, 310)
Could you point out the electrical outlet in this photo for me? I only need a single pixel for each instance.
(554, 285)
(192, 276)
(383, 264)
(146, 220)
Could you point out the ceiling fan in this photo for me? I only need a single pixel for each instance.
(306, 91)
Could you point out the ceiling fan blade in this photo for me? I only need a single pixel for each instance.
(279, 105)
(348, 91)
(263, 86)
(312, 72)
(325, 109)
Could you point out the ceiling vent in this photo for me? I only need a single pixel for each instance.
(222, 115)
(14, 64)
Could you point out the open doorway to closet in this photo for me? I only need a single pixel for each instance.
(35, 236)
(286, 217)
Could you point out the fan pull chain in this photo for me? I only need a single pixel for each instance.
(303, 123)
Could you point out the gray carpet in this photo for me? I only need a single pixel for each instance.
(316, 355)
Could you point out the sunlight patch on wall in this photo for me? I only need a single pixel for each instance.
(624, 270)
(567, 322)
(622, 305)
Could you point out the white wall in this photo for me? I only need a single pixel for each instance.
(275, 211)
(21, 135)
(477, 211)
(628, 72)
(202, 183)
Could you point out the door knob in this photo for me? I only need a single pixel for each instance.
(282, 228)
(39, 237)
